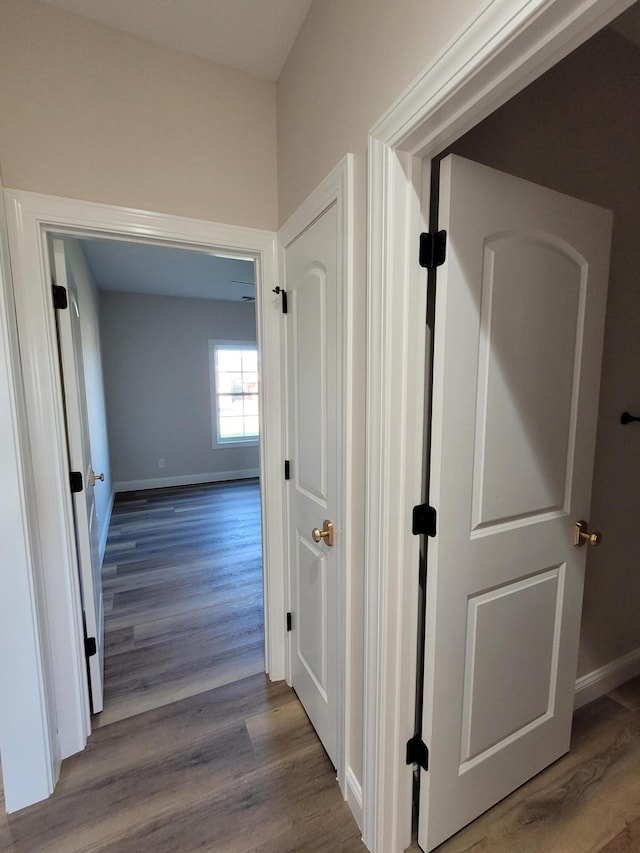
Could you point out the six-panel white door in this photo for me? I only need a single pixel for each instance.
(313, 389)
(518, 340)
(79, 447)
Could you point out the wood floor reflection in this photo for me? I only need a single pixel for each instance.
(196, 749)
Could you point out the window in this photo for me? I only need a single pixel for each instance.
(234, 392)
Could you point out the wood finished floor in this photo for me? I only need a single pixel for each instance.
(196, 749)
(587, 801)
(182, 584)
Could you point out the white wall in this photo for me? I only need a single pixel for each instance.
(156, 365)
(93, 382)
(91, 113)
(577, 130)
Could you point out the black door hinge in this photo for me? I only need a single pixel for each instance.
(60, 301)
(287, 469)
(424, 520)
(75, 478)
(289, 622)
(418, 752)
(433, 249)
(90, 646)
(284, 298)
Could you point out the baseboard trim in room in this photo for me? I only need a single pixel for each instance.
(353, 795)
(600, 681)
(186, 480)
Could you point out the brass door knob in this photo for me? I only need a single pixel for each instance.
(581, 535)
(326, 533)
(93, 477)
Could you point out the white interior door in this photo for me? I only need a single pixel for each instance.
(313, 393)
(79, 446)
(518, 340)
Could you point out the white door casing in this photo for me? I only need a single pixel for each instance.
(28, 740)
(315, 271)
(79, 448)
(519, 326)
(30, 217)
(501, 51)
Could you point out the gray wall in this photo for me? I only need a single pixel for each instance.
(156, 351)
(577, 130)
(93, 382)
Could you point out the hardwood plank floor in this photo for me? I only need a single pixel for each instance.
(237, 768)
(195, 749)
(182, 582)
(587, 801)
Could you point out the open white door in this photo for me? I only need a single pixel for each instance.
(313, 394)
(79, 446)
(519, 324)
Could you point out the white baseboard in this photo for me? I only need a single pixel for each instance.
(600, 681)
(353, 795)
(186, 480)
(102, 544)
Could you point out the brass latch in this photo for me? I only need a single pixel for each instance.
(581, 535)
(326, 533)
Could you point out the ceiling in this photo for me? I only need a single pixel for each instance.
(160, 270)
(254, 36)
(250, 35)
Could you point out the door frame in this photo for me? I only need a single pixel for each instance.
(336, 188)
(506, 47)
(64, 706)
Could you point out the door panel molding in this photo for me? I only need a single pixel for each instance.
(50, 519)
(336, 189)
(504, 49)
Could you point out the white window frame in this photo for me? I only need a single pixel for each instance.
(216, 441)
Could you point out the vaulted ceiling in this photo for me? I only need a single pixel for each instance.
(254, 36)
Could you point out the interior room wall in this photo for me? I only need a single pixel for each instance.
(577, 130)
(89, 112)
(88, 303)
(349, 64)
(156, 364)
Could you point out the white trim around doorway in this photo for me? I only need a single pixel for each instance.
(49, 514)
(507, 46)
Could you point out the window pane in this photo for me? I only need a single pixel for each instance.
(231, 427)
(251, 404)
(237, 389)
(229, 406)
(250, 361)
(250, 383)
(229, 359)
(229, 383)
(251, 426)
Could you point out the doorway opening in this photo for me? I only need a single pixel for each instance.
(172, 425)
(467, 83)
(546, 135)
(63, 687)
